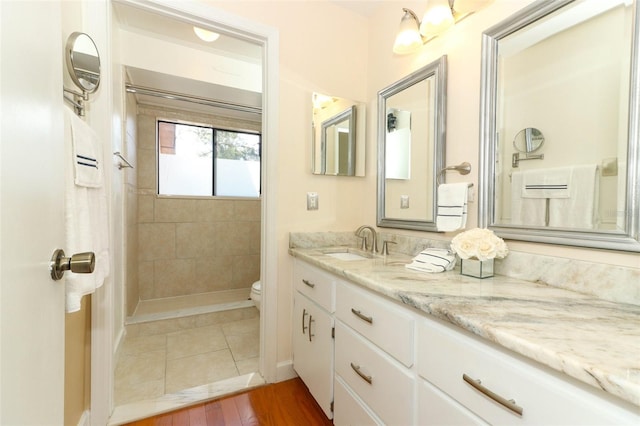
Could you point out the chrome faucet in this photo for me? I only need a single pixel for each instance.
(374, 238)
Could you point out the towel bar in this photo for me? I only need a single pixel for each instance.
(126, 165)
(462, 168)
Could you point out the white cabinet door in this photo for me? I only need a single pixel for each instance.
(313, 350)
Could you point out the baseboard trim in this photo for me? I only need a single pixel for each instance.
(285, 371)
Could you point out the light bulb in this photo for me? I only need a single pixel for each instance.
(205, 35)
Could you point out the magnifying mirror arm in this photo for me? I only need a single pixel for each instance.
(516, 159)
(78, 100)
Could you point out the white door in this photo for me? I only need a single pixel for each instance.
(31, 213)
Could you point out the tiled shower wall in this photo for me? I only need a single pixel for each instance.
(191, 245)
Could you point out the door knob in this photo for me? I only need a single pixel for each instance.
(80, 263)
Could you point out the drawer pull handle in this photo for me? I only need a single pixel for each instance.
(362, 316)
(304, 314)
(508, 403)
(310, 321)
(364, 377)
(308, 283)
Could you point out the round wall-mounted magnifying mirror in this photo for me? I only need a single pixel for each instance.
(83, 61)
(528, 140)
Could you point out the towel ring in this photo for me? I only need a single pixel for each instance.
(462, 168)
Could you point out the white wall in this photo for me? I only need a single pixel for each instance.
(310, 61)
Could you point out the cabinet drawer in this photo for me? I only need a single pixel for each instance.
(445, 355)
(348, 410)
(381, 321)
(380, 381)
(316, 284)
(437, 409)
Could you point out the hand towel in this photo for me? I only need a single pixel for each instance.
(86, 155)
(86, 210)
(526, 211)
(433, 260)
(579, 209)
(452, 206)
(547, 183)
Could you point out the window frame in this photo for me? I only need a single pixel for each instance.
(214, 129)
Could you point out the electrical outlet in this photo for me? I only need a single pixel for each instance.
(312, 201)
(404, 201)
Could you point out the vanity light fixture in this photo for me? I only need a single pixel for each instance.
(205, 35)
(439, 17)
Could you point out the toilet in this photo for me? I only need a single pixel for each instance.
(256, 294)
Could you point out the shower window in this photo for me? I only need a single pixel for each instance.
(198, 160)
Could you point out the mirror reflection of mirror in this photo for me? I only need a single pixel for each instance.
(528, 140)
(83, 62)
(567, 67)
(398, 144)
(411, 147)
(337, 136)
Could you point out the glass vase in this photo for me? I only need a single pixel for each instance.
(476, 268)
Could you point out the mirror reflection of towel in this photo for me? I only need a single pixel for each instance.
(579, 209)
(526, 211)
(452, 206)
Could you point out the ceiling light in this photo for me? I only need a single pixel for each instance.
(205, 35)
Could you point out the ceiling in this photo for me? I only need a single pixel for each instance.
(151, 24)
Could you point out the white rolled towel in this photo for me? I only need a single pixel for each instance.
(433, 260)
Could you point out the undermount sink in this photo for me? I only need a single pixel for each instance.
(347, 254)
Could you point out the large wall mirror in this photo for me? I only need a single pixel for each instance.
(411, 138)
(560, 125)
(337, 142)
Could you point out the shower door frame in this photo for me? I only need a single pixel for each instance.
(267, 37)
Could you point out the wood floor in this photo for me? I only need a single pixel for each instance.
(285, 403)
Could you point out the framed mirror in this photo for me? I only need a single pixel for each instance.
(83, 62)
(570, 69)
(411, 139)
(337, 136)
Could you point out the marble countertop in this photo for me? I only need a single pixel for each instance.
(592, 340)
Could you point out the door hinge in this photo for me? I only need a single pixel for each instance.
(333, 332)
(331, 406)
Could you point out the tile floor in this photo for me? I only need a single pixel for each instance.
(164, 357)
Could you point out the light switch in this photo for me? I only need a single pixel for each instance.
(312, 201)
(404, 201)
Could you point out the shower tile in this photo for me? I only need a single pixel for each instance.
(213, 274)
(157, 241)
(145, 208)
(145, 279)
(247, 210)
(140, 368)
(199, 369)
(196, 240)
(249, 365)
(147, 132)
(131, 392)
(243, 238)
(243, 338)
(146, 169)
(246, 270)
(214, 210)
(195, 341)
(173, 277)
(143, 344)
(175, 210)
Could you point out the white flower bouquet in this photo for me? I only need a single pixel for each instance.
(479, 243)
